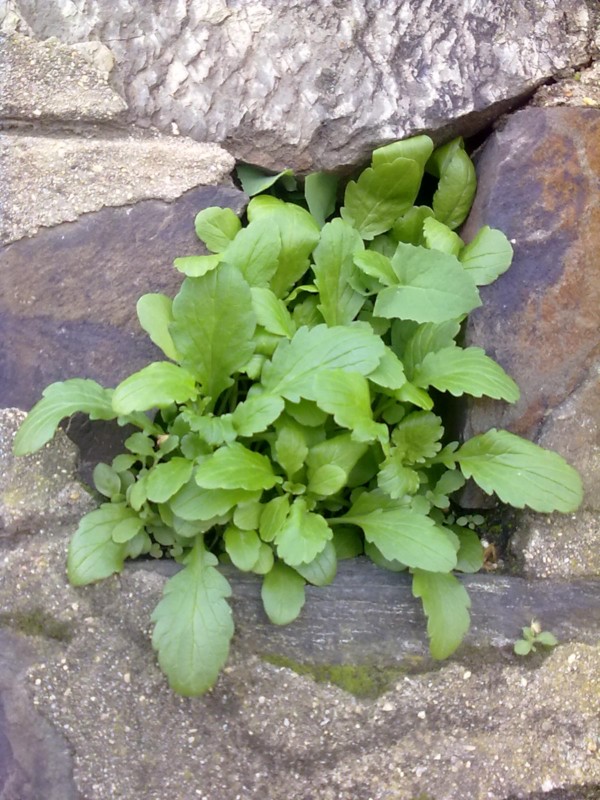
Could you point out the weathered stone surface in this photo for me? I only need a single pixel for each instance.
(47, 81)
(68, 296)
(312, 85)
(580, 89)
(40, 489)
(475, 730)
(54, 178)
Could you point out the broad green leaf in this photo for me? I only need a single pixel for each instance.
(376, 265)
(235, 467)
(193, 625)
(217, 227)
(136, 493)
(106, 480)
(389, 373)
(520, 473)
(155, 386)
(450, 482)
(346, 395)
(427, 338)
(401, 534)
(487, 256)
(93, 554)
(409, 393)
(213, 328)
(396, 479)
(291, 446)
(291, 372)
(155, 315)
(165, 479)
(272, 313)
(243, 547)
(302, 536)
(418, 436)
(334, 268)
(470, 552)
(274, 514)
(456, 189)
(298, 233)
(433, 287)
(140, 444)
(438, 236)
(256, 413)
(322, 569)
(380, 195)
(264, 562)
(446, 604)
(385, 563)
(127, 529)
(348, 542)
(60, 400)
(465, 371)
(327, 480)
(247, 515)
(282, 594)
(547, 639)
(522, 647)
(320, 190)
(197, 266)
(306, 412)
(341, 451)
(192, 503)
(255, 252)
(212, 430)
(255, 180)
(409, 228)
(417, 148)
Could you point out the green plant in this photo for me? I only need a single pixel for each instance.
(293, 424)
(532, 636)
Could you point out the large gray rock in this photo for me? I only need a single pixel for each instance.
(318, 85)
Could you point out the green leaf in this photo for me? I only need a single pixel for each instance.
(127, 529)
(197, 266)
(165, 479)
(93, 554)
(255, 180)
(291, 372)
(302, 536)
(487, 256)
(327, 480)
(433, 287)
(264, 562)
(470, 552)
(401, 534)
(520, 472)
(235, 467)
(306, 413)
(522, 647)
(346, 395)
(438, 236)
(320, 190)
(60, 400)
(217, 227)
(427, 338)
(255, 252)
(272, 313)
(298, 233)
(348, 542)
(155, 386)
(213, 328)
(322, 569)
(450, 482)
(282, 594)
(155, 315)
(140, 444)
(465, 371)
(334, 269)
(341, 451)
(256, 413)
(380, 195)
(417, 148)
(376, 265)
(389, 373)
(243, 547)
(446, 604)
(290, 448)
(247, 515)
(273, 516)
(396, 479)
(456, 189)
(547, 639)
(418, 436)
(192, 503)
(409, 228)
(106, 480)
(385, 563)
(193, 625)
(213, 430)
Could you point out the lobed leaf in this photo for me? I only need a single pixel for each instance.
(236, 467)
(302, 536)
(217, 227)
(93, 554)
(193, 625)
(155, 386)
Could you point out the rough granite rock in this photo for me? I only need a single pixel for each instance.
(318, 85)
(54, 178)
(40, 489)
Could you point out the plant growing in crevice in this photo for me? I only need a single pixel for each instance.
(292, 422)
(534, 637)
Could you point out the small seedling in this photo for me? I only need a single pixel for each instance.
(534, 635)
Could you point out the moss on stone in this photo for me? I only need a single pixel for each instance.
(37, 622)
